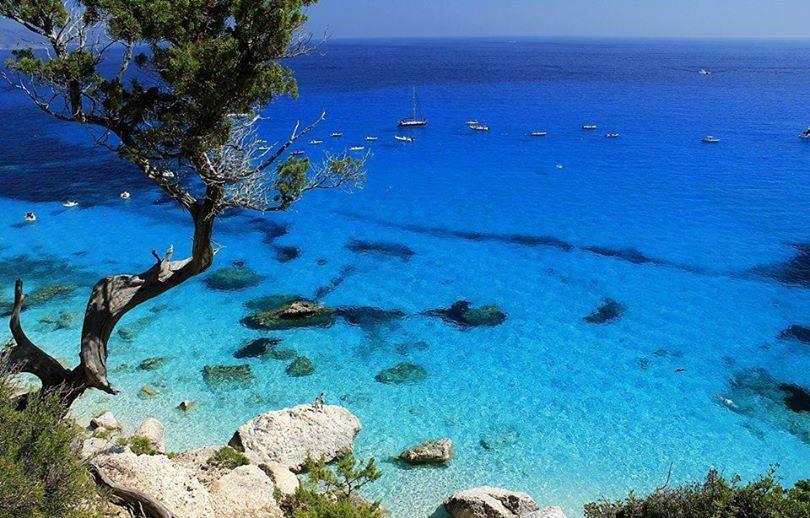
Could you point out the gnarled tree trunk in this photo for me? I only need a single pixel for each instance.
(111, 298)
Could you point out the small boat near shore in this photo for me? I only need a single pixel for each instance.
(400, 138)
(538, 133)
(710, 139)
(479, 127)
(589, 127)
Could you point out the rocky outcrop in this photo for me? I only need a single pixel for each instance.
(227, 374)
(291, 435)
(105, 421)
(301, 366)
(281, 313)
(404, 373)
(463, 314)
(284, 479)
(429, 452)
(152, 430)
(245, 492)
(236, 277)
(491, 502)
(796, 332)
(608, 311)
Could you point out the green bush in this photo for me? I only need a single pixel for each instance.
(138, 445)
(228, 458)
(716, 497)
(41, 474)
(333, 494)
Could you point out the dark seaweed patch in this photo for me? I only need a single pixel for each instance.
(285, 254)
(796, 332)
(793, 272)
(381, 248)
(796, 398)
(271, 230)
(335, 282)
(608, 311)
(369, 317)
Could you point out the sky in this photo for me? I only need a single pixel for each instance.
(562, 18)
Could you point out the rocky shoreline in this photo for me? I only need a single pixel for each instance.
(272, 449)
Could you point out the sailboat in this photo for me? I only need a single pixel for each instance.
(414, 121)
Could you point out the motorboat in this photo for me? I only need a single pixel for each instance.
(297, 152)
(336, 134)
(371, 139)
(805, 135)
(704, 72)
(479, 127)
(315, 142)
(471, 122)
(711, 140)
(415, 121)
(167, 175)
(589, 127)
(612, 135)
(30, 217)
(124, 195)
(400, 138)
(357, 148)
(70, 203)
(539, 133)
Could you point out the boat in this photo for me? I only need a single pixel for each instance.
(371, 139)
(415, 121)
(403, 139)
(124, 195)
(336, 134)
(711, 140)
(589, 127)
(805, 135)
(315, 142)
(479, 127)
(539, 133)
(30, 217)
(471, 123)
(704, 72)
(612, 135)
(70, 203)
(357, 148)
(297, 153)
(167, 175)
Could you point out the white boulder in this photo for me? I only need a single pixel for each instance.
(106, 421)
(245, 492)
(491, 502)
(152, 429)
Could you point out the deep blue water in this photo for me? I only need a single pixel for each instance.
(706, 246)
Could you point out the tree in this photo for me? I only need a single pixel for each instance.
(182, 104)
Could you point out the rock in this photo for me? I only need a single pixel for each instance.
(187, 405)
(429, 452)
(152, 430)
(233, 278)
(153, 363)
(148, 391)
(402, 373)
(281, 353)
(290, 315)
(609, 311)
(550, 512)
(490, 502)
(46, 294)
(284, 479)
(288, 436)
(797, 398)
(64, 320)
(133, 329)
(219, 374)
(368, 316)
(106, 421)
(159, 477)
(196, 461)
(285, 254)
(381, 248)
(245, 492)
(256, 349)
(462, 314)
(796, 332)
(301, 366)
(93, 446)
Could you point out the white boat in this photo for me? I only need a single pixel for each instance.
(589, 127)
(805, 135)
(357, 148)
(539, 133)
(297, 153)
(612, 135)
(315, 142)
(124, 195)
(403, 139)
(336, 134)
(479, 127)
(30, 217)
(70, 203)
(711, 140)
(167, 174)
(704, 72)
(415, 121)
(371, 139)
(471, 123)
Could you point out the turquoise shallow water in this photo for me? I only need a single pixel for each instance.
(575, 410)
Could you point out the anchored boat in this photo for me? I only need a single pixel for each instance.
(403, 139)
(414, 121)
(711, 140)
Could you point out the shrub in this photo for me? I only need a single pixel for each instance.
(333, 494)
(41, 473)
(139, 445)
(716, 497)
(228, 458)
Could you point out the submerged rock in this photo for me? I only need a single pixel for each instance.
(281, 353)
(187, 405)
(797, 398)
(429, 452)
(381, 248)
(153, 363)
(402, 373)
(288, 314)
(46, 294)
(233, 278)
(608, 311)
(462, 314)
(301, 366)
(291, 435)
(285, 254)
(136, 327)
(220, 374)
(796, 332)
(367, 316)
(490, 502)
(64, 320)
(405, 348)
(793, 272)
(147, 392)
(257, 348)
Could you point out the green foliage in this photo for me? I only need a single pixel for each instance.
(138, 445)
(333, 493)
(228, 458)
(716, 497)
(41, 474)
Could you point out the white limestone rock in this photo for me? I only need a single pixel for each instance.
(152, 429)
(245, 492)
(491, 502)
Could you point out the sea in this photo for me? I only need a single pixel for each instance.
(649, 282)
